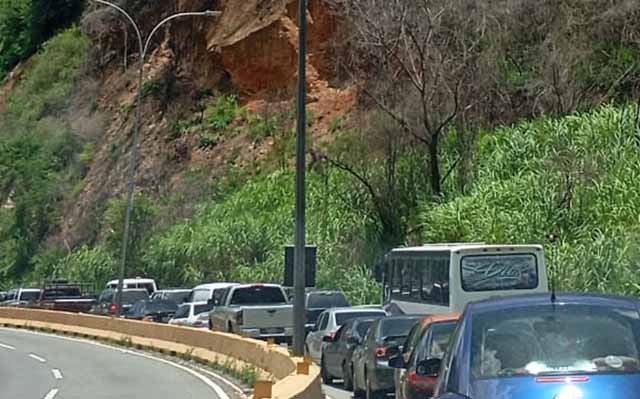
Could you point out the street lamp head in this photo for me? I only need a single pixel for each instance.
(211, 13)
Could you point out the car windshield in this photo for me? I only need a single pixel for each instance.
(257, 294)
(326, 300)
(344, 317)
(440, 334)
(555, 340)
(206, 307)
(182, 312)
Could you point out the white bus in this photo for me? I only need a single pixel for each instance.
(443, 278)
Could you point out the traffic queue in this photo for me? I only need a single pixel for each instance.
(457, 321)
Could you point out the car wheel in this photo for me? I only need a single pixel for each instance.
(347, 382)
(370, 392)
(326, 378)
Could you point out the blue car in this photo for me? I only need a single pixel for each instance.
(542, 347)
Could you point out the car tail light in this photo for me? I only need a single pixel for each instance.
(381, 351)
(113, 308)
(239, 318)
(420, 383)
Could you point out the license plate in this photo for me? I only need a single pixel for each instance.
(274, 330)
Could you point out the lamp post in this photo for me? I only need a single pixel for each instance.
(143, 48)
(299, 312)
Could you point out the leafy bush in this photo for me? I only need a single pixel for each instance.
(573, 179)
(45, 89)
(243, 237)
(222, 112)
(88, 265)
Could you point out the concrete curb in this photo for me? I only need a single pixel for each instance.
(274, 362)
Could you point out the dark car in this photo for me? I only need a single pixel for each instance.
(107, 306)
(338, 352)
(159, 310)
(542, 346)
(317, 302)
(372, 374)
(431, 337)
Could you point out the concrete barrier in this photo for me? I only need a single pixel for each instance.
(273, 361)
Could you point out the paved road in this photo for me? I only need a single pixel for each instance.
(336, 392)
(36, 366)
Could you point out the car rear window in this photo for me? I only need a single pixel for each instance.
(197, 309)
(257, 294)
(344, 317)
(178, 296)
(440, 336)
(499, 272)
(161, 306)
(201, 295)
(555, 340)
(29, 296)
(182, 312)
(327, 300)
(396, 327)
(130, 297)
(362, 327)
(62, 292)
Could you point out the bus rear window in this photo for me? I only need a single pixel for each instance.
(499, 272)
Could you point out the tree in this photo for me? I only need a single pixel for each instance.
(414, 59)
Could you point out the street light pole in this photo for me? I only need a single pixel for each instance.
(136, 129)
(299, 312)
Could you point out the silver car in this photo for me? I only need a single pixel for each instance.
(329, 322)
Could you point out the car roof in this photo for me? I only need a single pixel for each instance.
(257, 284)
(517, 301)
(464, 246)
(214, 286)
(170, 290)
(29, 289)
(354, 310)
(439, 318)
(325, 292)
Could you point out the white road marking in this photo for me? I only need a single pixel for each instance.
(52, 394)
(5, 346)
(57, 374)
(38, 358)
(219, 391)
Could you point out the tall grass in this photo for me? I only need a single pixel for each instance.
(571, 183)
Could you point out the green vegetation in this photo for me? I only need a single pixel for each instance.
(573, 179)
(26, 24)
(38, 156)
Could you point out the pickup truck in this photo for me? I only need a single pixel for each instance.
(254, 310)
(63, 297)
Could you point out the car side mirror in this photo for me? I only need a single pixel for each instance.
(397, 362)
(429, 367)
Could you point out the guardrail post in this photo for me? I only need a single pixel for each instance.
(263, 390)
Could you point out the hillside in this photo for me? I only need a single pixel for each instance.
(502, 123)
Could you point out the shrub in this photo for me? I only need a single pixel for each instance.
(575, 179)
(222, 112)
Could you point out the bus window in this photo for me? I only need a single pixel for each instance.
(396, 276)
(407, 268)
(435, 281)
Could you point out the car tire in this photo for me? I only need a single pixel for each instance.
(347, 375)
(324, 373)
(370, 393)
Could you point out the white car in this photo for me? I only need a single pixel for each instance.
(192, 314)
(208, 292)
(146, 283)
(330, 321)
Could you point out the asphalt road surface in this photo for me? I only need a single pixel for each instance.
(336, 392)
(37, 366)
